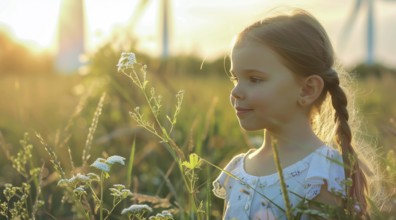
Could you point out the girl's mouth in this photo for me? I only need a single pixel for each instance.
(242, 111)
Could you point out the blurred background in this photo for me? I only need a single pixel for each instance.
(57, 58)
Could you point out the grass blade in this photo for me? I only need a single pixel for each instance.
(88, 144)
(130, 164)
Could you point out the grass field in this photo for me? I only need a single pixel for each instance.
(61, 109)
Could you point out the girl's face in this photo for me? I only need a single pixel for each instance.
(266, 92)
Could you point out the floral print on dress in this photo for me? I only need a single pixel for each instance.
(264, 214)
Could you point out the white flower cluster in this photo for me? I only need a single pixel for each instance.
(164, 215)
(115, 159)
(80, 191)
(105, 164)
(136, 208)
(78, 179)
(126, 61)
(119, 191)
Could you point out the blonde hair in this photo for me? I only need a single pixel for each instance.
(304, 47)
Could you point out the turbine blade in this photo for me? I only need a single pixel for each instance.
(137, 14)
(165, 28)
(370, 32)
(349, 24)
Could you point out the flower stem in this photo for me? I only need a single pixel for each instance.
(112, 209)
(101, 196)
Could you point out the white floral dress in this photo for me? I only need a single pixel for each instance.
(260, 197)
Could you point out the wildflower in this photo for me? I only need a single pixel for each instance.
(93, 177)
(136, 209)
(357, 208)
(165, 215)
(125, 193)
(126, 61)
(119, 186)
(116, 159)
(100, 165)
(80, 191)
(79, 178)
(63, 182)
(194, 162)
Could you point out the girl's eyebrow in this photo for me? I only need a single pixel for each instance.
(247, 71)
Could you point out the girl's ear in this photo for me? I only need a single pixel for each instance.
(311, 88)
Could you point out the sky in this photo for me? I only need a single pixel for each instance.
(203, 27)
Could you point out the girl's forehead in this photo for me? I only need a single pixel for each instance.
(251, 48)
(254, 53)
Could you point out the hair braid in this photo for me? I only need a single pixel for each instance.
(344, 138)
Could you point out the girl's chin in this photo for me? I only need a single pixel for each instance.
(248, 127)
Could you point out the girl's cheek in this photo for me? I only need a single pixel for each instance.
(259, 97)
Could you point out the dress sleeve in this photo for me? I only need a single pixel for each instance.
(221, 183)
(326, 167)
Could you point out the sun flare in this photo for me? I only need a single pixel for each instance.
(31, 22)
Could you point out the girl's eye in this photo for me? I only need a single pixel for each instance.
(255, 79)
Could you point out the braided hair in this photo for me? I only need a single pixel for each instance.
(344, 138)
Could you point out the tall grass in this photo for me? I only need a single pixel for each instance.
(204, 126)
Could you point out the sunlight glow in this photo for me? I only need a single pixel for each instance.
(31, 22)
(204, 27)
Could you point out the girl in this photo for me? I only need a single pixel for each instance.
(283, 72)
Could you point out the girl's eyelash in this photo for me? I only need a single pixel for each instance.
(255, 79)
(252, 79)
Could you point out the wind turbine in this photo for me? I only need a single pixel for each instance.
(70, 36)
(165, 19)
(359, 4)
(165, 23)
(370, 31)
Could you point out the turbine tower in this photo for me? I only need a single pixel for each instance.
(70, 36)
(369, 4)
(165, 29)
(164, 21)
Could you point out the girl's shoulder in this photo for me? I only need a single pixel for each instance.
(326, 167)
(326, 155)
(229, 171)
(237, 161)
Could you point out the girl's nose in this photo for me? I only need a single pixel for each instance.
(236, 93)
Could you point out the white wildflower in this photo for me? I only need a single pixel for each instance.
(93, 177)
(115, 159)
(79, 178)
(119, 186)
(126, 61)
(80, 191)
(357, 208)
(115, 192)
(136, 209)
(126, 193)
(165, 215)
(103, 166)
(157, 217)
(63, 182)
